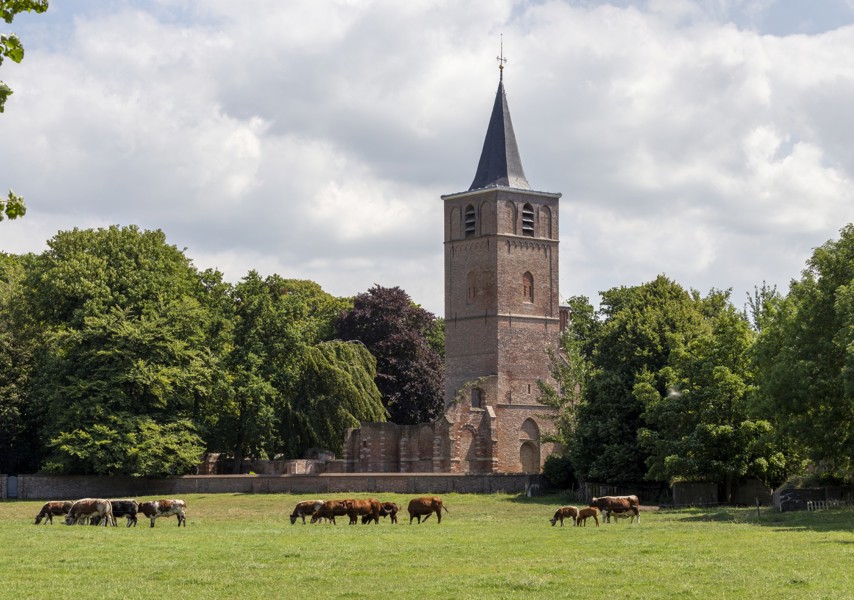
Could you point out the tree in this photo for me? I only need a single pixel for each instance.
(640, 328)
(410, 373)
(10, 47)
(126, 353)
(273, 370)
(19, 447)
(336, 392)
(805, 360)
(700, 428)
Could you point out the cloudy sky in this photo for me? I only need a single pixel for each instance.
(709, 140)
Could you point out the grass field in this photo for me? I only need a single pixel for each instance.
(496, 546)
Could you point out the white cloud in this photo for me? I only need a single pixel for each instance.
(314, 139)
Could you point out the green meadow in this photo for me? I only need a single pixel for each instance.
(496, 546)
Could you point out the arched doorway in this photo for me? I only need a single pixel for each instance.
(529, 446)
(529, 456)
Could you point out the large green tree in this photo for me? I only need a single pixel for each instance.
(640, 328)
(805, 359)
(289, 387)
(126, 353)
(697, 408)
(19, 447)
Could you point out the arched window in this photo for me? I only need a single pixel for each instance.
(528, 220)
(527, 287)
(470, 221)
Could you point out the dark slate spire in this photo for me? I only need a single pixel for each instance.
(500, 164)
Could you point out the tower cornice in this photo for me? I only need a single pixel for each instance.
(498, 188)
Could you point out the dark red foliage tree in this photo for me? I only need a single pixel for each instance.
(410, 373)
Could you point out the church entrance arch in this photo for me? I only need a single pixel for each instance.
(529, 456)
(529, 449)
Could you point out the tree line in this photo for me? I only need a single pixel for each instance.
(666, 384)
(118, 356)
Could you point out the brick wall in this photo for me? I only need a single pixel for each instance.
(55, 487)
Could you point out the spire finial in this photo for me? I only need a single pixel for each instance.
(501, 60)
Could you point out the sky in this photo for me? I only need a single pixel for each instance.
(706, 140)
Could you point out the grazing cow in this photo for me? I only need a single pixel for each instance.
(586, 513)
(329, 510)
(618, 504)
(165, 508)
(387, 509)
(357, 508)
(304, 509)
(125, 508)
(426, 506)
(565, 512)
(82, 510)
(54, 508)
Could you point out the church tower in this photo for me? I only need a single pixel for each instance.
(501, 306)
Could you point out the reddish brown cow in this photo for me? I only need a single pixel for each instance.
(565, 512)
(329, 510)
(586, 513)
(82, 510)
(387, 509)
(304, 509)
(357, 508)
(54, 508)
(165, 508)
(426, 506)
(618, 504)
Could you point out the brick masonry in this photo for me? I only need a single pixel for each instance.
(502, 315)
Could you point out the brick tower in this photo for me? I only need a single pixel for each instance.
(501, 307)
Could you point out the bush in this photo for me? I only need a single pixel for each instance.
(558, 472)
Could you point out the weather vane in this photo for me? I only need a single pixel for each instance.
(501, 60)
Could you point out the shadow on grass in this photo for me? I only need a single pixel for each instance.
(826, 520)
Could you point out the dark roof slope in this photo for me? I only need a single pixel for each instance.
(500, 164)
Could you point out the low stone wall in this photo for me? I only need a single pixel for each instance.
(56, 487)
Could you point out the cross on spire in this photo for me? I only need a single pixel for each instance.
(501, 60)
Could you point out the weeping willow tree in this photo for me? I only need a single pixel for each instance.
(336, 391)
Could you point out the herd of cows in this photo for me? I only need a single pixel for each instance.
(98, 511)
(610, 507)
(369, 510)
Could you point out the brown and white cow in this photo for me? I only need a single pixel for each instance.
(54, 508)
(304, 509)
(565, 512)
(165, 508)
(618, 504)
(586, 513)
(82, 510)
(426, 505)
(357, 508)
(330, 510)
